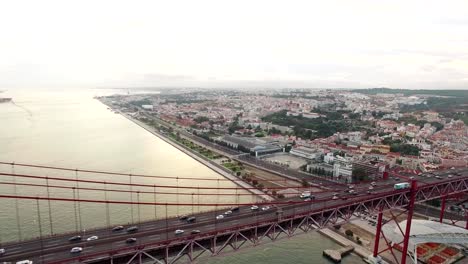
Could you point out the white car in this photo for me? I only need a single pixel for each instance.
(265, 208)
(91, 238)
(179, 231)
(373, 183)
(228, 212)
(335, 197)
(76, 250)
(371, 187)
(254, 207)
(2, 251)
(450, 176)
(219, 217)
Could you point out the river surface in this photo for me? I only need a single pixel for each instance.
(71, 129)
(300, 249)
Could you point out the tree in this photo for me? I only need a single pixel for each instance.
(349, 233)
(259, 134)
(358, 240)
(254, 182)
(201, 119)
(405, 149)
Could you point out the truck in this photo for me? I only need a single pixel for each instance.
(401, 185)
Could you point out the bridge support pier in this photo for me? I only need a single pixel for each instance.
(408, 221)
(466, 219)
(377, 233)
(442, 208)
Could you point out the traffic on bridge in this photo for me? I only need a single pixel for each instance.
(162, 239)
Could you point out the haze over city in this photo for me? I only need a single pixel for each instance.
(233, 132)
(295, 44)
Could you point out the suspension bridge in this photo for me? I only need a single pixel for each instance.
(167, 237)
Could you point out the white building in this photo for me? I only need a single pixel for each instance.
(147, 107)
(305, 152)
(343, 168)
(329, 158)
(343, 171)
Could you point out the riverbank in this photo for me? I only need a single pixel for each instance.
(211, 165)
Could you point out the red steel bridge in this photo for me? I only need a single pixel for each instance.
(156, 241)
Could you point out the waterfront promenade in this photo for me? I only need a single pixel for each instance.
(213, 166)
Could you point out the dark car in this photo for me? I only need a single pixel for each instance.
(196, 231)
(130, 240)
(132, 229)
(191, 219)
(117, 228)
(74, 238)
(235, 208)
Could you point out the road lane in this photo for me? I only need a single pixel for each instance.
(58, 247)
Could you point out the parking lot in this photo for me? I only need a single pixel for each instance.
(287, 160)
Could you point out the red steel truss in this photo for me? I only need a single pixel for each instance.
(303, 219)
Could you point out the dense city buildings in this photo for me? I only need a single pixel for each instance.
(346, 135)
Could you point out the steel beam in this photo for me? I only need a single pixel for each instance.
(442, 208)
(377, 233)
(409, 219)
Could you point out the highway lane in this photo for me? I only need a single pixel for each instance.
(50, 242)
(147, 228)
(156, 230)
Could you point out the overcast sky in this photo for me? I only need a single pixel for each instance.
(317, 44)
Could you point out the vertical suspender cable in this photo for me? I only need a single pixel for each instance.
(50, 208)
(78, 196)
(18, 220)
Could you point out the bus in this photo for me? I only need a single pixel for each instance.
(401, 185)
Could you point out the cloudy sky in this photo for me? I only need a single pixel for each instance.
(253, 43)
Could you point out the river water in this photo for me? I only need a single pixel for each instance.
(71, 129)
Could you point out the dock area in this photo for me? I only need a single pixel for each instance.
(359, 250)
(336, 254)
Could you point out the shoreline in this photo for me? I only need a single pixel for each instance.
(337, 238)
(203, 161)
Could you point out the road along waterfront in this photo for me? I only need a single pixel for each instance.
(202, 160)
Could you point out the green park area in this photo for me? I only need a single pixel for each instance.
(234, 167)
(194, 147)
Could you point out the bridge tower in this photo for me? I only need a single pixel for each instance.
(390, 246)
